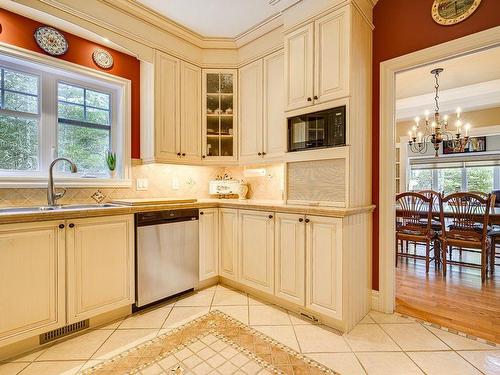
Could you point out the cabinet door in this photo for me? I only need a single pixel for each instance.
(331, 57)
(32, 278)
(256, 250)
(250, 111)
(228, 242)
(290, 262)
(190, 131)
(209, 243)
(167, 107)
(324, 265)
(299, 67)
(100, 259)
(275, 131)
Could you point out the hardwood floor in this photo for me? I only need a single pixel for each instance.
(459, 302)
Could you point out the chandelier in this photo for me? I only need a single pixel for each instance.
(436, 131)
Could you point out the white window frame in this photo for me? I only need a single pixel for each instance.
(51, 71)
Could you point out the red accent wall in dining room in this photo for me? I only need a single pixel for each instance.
(18, 30)
(402, 27)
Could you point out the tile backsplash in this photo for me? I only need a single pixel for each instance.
(164, 180)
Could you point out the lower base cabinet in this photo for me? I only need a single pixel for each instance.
(324, 265)
(290, 257)
(100, 258)
(256, 249)
(32, 279)
(209, 243)
(228, 243)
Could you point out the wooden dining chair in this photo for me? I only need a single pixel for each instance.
(412, 208)
(469, 215)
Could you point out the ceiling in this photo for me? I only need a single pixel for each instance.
(471, 82)
(218, 18)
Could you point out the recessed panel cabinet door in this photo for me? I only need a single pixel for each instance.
(228, 245)
(32, 274)
(100, 258)
(290, 243)
(331, 56)
(275, 132)
(324, 265)
(250, 112)
(256, 250)
(190, 112)
(299, 56)
(209, 243)
(167, 106)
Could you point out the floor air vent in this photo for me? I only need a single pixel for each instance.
(310, 317)
(64, 331)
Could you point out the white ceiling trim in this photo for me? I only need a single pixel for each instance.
(472, 97)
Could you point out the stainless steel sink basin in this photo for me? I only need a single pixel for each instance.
(15, 210)
(86, 206)
(26, 209)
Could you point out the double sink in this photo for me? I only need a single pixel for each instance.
(68, 207)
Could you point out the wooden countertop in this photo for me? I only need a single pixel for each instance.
(273, 206)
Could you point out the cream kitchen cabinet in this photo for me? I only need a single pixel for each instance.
(256, 250)
(32, 279)
(219, 108)
(209, 243)
(228, 243)
(317, 61)
(324, 265)
(262, 122)
(100, 265)
(290, 258)
(177, 110)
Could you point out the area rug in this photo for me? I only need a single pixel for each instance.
(211, 344)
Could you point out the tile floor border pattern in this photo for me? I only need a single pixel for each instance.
(350, 356)
(219, 335)
(493, 345)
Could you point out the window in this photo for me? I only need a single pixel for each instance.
(84, 127)
(52, 109)
(455, 176)
(19, 120)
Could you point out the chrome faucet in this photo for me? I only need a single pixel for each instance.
(52, 195)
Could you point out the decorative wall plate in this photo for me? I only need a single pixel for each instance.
(450, 12)
(51, 40)
(102, 58)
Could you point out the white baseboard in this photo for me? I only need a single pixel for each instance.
(375, 300)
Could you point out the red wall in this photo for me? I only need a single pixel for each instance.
(401, 27)
(18, 31)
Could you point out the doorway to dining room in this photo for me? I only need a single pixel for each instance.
(447, 172)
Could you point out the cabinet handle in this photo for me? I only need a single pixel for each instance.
(203, 156)
(315, 97)
(307, 220)
(183, 154)
(201, 212)
(301, 220)
(71, 225)
(270, 216)
(309, 99)
(61, 226)
(263, 153)
(260, 153)
(178, 154)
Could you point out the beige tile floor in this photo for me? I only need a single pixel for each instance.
(380, 344)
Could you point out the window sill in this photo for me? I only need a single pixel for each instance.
(63, 182)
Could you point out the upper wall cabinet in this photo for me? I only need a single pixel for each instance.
(219, 115)
(261, 109)
(177, 110)
(317, 61)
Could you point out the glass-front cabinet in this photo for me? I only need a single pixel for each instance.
(219, 114)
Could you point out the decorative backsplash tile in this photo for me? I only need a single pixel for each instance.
(165, 180)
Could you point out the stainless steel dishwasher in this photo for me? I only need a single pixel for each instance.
(166, 254)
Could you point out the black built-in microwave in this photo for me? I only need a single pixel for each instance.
(317, 130)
